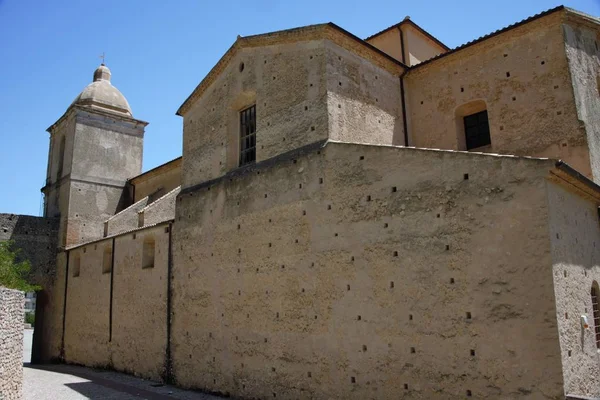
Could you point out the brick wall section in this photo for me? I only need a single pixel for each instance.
(11, 344)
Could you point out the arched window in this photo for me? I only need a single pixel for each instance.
(61, 158)
(596, 309)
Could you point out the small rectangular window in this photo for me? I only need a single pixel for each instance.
(107, 260)
(76, 265)
(148, 252)
(477, 130)
(248, 135)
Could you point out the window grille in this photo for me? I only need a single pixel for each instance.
(248, 135)
(596, 310)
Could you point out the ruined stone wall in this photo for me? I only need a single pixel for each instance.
(363, 100)
(12, 303)
(582, 43)
(368, 272)
(133, 339)
(36, 239)
(575, 236)
(522, 78)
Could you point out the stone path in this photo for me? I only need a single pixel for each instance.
(67, 382)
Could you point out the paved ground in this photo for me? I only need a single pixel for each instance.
(66, 382)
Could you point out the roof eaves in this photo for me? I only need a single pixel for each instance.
(250, 41)
(158, 167)
(368, 45)
(78, 245)
(490, 35)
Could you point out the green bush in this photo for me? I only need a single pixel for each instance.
(14, 274)
(30, 318)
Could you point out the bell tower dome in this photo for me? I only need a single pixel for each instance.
(95, 146)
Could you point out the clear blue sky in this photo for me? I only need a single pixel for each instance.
(158, 51)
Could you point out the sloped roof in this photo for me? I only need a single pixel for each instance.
(175, 163)
(492, 34)
(408, 21)
(328, 31)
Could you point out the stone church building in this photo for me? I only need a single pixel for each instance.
(350, 219)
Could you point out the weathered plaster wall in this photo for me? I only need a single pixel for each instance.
(582, 43)
(289, 87)
(12, 317)
(125, 220)
(88, 307)
(65, 129)
(363, 100)
(161, 210)
(140, 304)
(575, 236)
(388, 42)
(159, 184)
(531, 112)
(137, 341)
(368, 272)
(107, 151)
(418, 47)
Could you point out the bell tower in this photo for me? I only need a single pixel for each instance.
(94, 148)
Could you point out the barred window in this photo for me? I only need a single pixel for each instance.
(596, 310)
(248, 135)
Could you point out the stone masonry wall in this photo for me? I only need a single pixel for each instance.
(582, 44)
(363, 272)
(36, 238)
(522, 78)
(127, 332)
(12, 303)
(575, 238)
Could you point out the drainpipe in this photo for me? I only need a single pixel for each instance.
(168, 377)
(64, 321)
(402, 92)
(112, 274)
